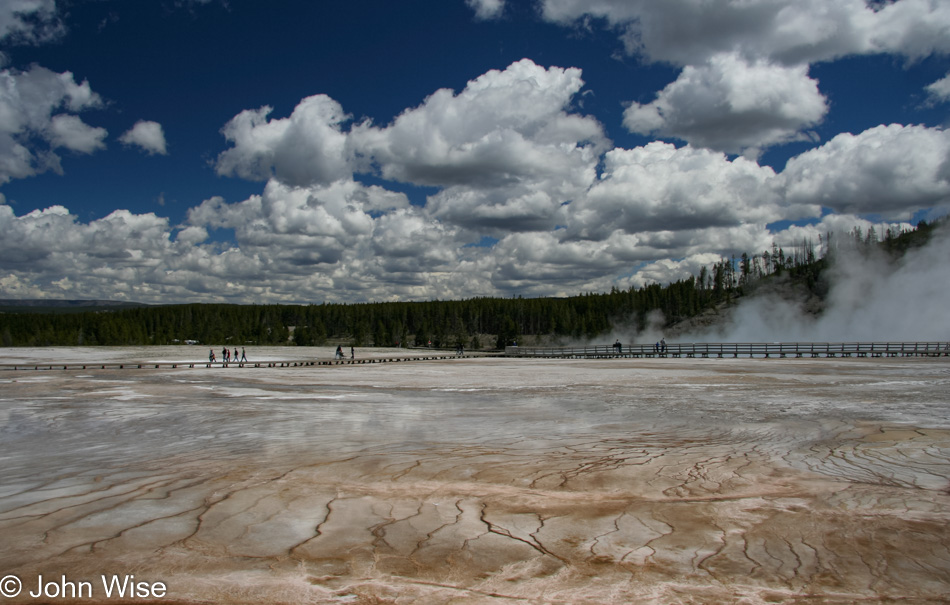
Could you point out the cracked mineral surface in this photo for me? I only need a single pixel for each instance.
(479, 480)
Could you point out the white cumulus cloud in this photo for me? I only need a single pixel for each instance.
(732, 105)
(307, 148)
(502, 209)
(29, 21)
(658, 187)
(891, 170)
(685, 32)
(72, 133)
(147, 135)
(31, 127)
(505, 126)
(939, 91)
(487, 9)
(300, 230)
(745, 85)
(507, 151)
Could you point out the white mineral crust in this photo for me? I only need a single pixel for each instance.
(478, 480)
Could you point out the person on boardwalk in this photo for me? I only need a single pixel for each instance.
(352, 353)
(225, 354)
(662, 345)
(339, 351)
(211, 358)
(243, 356)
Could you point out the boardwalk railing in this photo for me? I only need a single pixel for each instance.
(742, 349)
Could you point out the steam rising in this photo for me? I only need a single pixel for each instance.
(871, 298)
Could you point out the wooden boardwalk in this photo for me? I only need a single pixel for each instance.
(671, 350)
(299, 363)
(741, 349)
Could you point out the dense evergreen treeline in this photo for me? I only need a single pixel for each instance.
(444, 323)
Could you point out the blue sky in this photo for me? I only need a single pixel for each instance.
(187, 150)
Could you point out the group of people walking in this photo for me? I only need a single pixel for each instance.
(659, 347)
(226, 356)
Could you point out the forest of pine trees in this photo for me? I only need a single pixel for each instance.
(445, 323)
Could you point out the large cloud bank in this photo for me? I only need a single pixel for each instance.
(745, 83)
(528, 194)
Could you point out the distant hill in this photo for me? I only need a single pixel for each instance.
(48, 305)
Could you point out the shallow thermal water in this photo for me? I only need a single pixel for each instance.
(479, 480)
